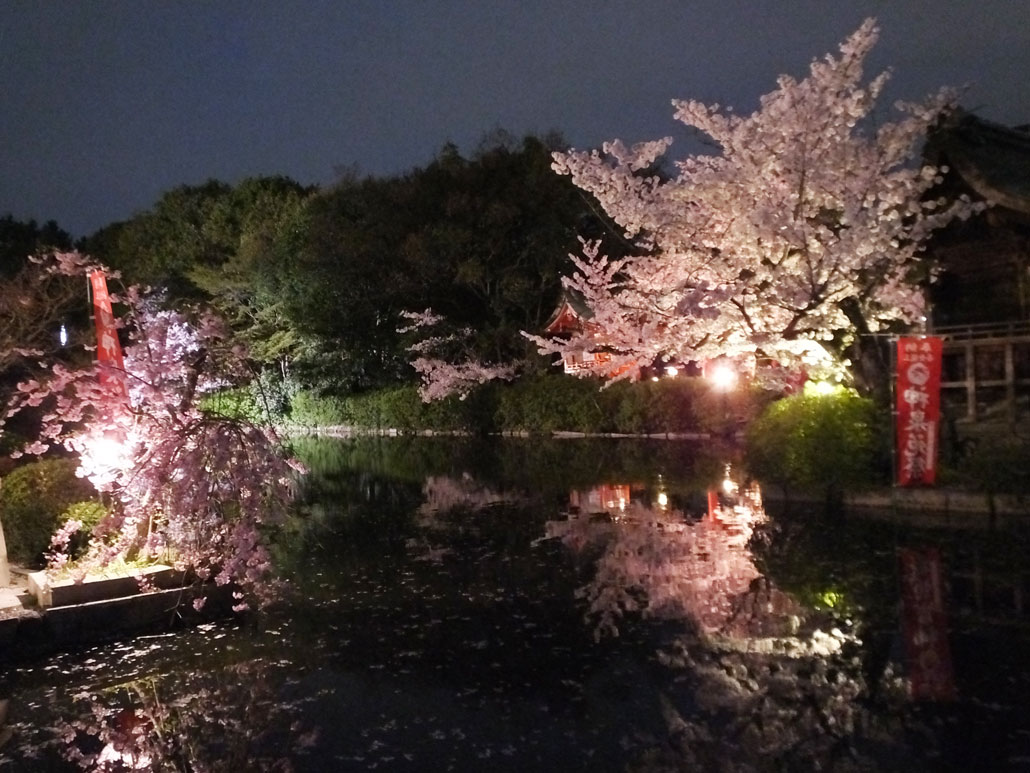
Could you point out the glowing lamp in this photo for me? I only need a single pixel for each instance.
(723, 377)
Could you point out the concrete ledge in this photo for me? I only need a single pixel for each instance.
(59, 593)
(34, 631)
(916, 500)
(939, 500)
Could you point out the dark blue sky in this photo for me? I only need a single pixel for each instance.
(108, 104)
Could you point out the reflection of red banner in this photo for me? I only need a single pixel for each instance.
(109, 350)
(924, 625)
(918, 409)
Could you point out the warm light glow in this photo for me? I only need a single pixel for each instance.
(654, 378)
(671, 371)
(728, 486)
(821, 388)
(663, 499)
(107, 450)
(103, 454)
(724, 377)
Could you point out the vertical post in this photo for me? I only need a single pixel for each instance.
(971, 410)
(893, 375)
(5, 567)
(1010, 383)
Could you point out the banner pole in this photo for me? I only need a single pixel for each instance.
(893, 360)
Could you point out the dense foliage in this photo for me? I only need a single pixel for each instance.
(32, 500)
(538, 403)
(317, 281)
(818, 442)
(33, 303)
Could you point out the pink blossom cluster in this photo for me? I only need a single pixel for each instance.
(444, 363)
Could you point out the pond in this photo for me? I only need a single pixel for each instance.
(562, 605)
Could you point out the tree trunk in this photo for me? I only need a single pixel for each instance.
(869, 355)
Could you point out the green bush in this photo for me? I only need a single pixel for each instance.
(32, 500)
(311, 410)
(819, 443)
(550, 402)
(89, 513)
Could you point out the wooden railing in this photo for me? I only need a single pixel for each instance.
(986, 371)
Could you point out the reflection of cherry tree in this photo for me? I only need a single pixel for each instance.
(224, 720)
(756, 684)
(660, 564)
(444, 493)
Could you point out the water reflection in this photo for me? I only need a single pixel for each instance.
(214, 721)
(758, 679)
(437, 625)
(665, 563)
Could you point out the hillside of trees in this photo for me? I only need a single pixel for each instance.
(316, 279)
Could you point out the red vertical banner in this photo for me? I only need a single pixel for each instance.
(109, 350)
(925, 626)
(918, 409)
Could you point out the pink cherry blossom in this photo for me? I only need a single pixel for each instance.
(806, 228)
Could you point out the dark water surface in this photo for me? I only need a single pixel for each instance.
(560, 606)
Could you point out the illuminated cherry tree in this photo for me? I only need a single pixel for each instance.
(184, 481)
(444, 361)
(800, 237)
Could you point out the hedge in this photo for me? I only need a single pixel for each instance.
(33, 498)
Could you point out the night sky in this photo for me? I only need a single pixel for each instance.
(106, 105)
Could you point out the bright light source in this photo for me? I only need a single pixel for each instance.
(663, 499)
(103, 454)
(671, 371)
(724, 377)
(63, 336)
(654, 378)
(728, 486)
(821, 388)
(107, 450)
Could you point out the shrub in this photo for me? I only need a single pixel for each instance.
(32, 500)
(822, 443)
(550, 402)
(310, 410)
(89, 513)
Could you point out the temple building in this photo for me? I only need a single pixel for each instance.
(980, 301)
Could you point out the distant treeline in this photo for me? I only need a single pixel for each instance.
(316, 279)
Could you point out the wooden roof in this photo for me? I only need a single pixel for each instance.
(991, 159)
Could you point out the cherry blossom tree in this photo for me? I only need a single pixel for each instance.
(800, 238)
(444, 360)
(183, 481)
